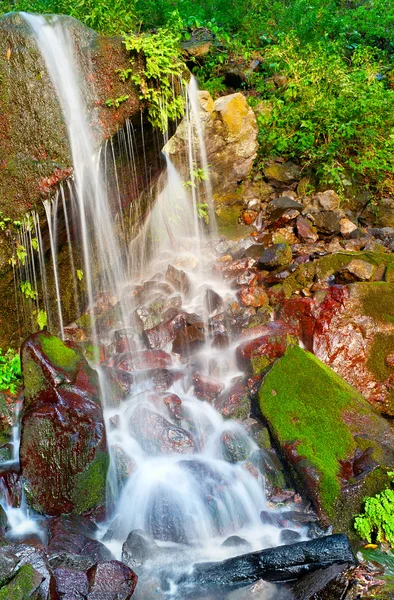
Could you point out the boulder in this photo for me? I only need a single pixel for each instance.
(63, 451)
(205, 387)
(282, 174)
(111, 580)
(25, 584)
(138, 548)
(230, 133)
(306, 406)
(265, 344)
(283, 563)
(234, 402)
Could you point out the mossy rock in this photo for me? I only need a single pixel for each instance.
(337, 448)
(23, 586)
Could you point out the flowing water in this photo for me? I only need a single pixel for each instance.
(179, 471)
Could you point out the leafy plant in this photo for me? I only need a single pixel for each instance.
(160, 77)
(27, 290)
(377, 520)
(80, 274)
(21, 253)
(116, 102)
(34, 243)
(202, 211)
(42, 319)
(10, 370)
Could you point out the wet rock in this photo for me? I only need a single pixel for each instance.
(278, 207)
(75, 535)
(253, 296)
(11, 487)
(356, 270)
(35, 557)
(335, 477)
(328, 221)
(25, 584)
(283, 563)
(188, 340)
(235, 447)
(8, 564)
(179, 279)
(142, 360)
(124, 340)
(69, 561)
(66, 582)
(111, 580)
(63, 451)
(120, 383)
(256, 354)
(236, 541)
(212, 301)
(278, 255)
(156, 435)
(234, 403)
(299, 314)
(288, 536)
(138, 548)
(205, 387)
(229, 269)
(174, 404)
(306, 231)
(161, 335)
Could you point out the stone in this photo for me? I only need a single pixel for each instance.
(66, 581)
(205, 387)
(230, 132)
(23, 586)
(275, 257)
(282, 173)
(74, 536)
(164, 333)
(288, 536)
(111, 580)
(174, 405)
(307, 405)
(356, 270)
(212, 301)
(235, 541)
(306, 231)
(235, 402)
(8, 564)
(36, 558)
(141, 360)
(188, 340)
(347, 227)
(179, 279)
(328, 200)
(279, 206)
(283, 563)
(63, 449)
(253, 296)
(328, 221)
(157, 436)
(331, 583)
(235, 447)
(139, 548)
(266, 343)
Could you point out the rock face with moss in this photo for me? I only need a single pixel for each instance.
(63, 450)
(230, 134)
(337, 448)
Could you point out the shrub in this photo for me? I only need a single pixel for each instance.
(10, 370)
(377, 520)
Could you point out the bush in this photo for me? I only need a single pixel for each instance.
(377, 520)
(10, 371)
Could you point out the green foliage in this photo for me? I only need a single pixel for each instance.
(202, 211)
(27, 290)
(334, 117)
(80, 274)
(10, 370)
(160, 77)
(21, 253)
(42, 319)
(116, 102)
(105, 16)
(377, 520)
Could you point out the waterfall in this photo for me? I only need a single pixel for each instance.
(180, 486)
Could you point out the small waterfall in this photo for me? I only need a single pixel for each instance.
(171, 473)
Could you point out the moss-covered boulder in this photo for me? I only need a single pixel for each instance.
(63, 450)
(336, 447)
(23, 586)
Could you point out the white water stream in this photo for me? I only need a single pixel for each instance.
(193, 497)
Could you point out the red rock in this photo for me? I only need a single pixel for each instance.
(232, 268)
(179, 279)
(253, 296)
(166, 332)
(111, 580)
(205, 387)
(298, 313)
(144, 359)
(306, 231)
(249, 216)
(11, 488)
(234, 403)
(67, 581)
(188, 340)
(271, 344)
(173, 403)
(212, 301)
(124, 341)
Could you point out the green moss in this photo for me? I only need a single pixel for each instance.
(378, 300)
(303, 401)
(34, 381)
(259, 363)
(389, 274)
(89, 490)
(382, 345)
(59, 354)
(22, 586)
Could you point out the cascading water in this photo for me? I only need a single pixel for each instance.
(179, 471)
